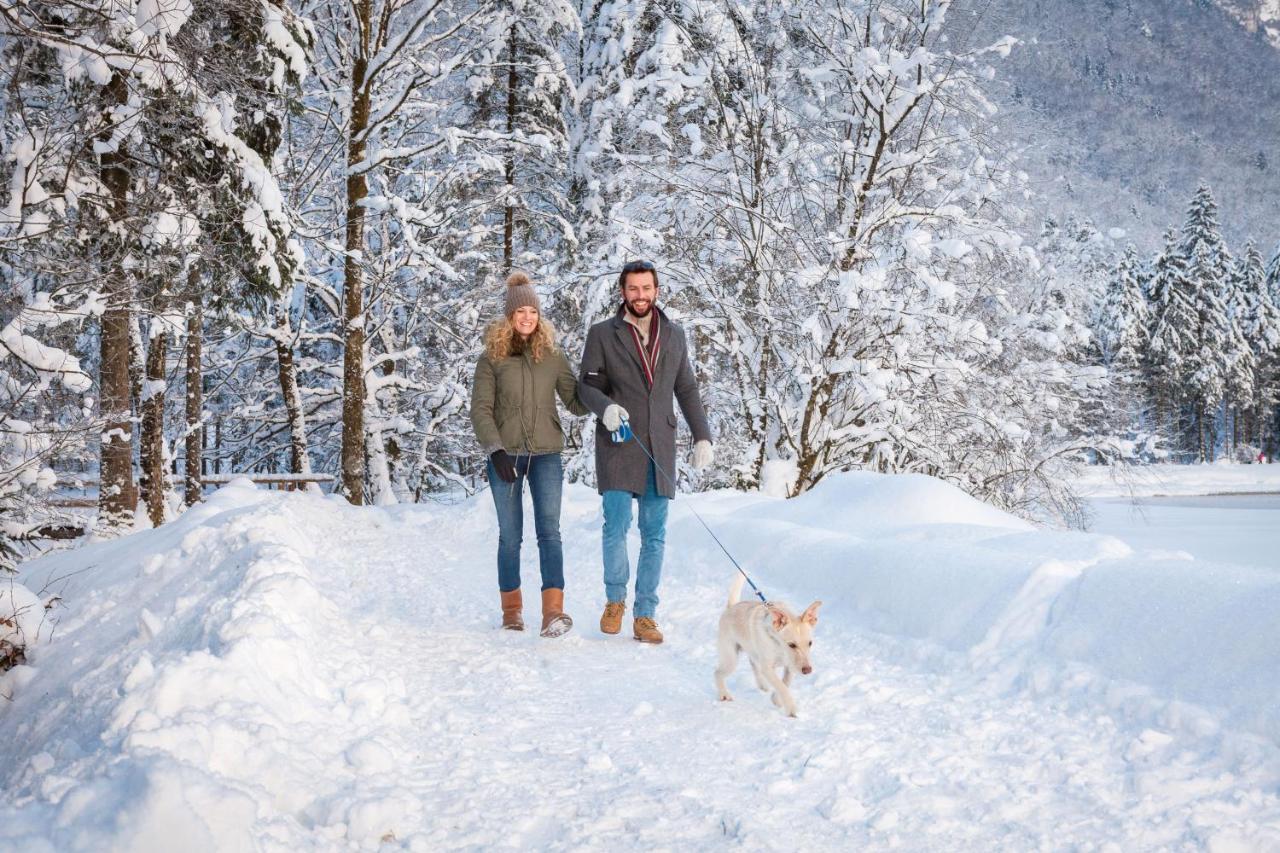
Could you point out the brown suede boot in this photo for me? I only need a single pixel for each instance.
(512, 611)
(646, 630)
(555, 622)
(611, 620)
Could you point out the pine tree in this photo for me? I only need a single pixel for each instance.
(1124, 320)
(1217, 357)
(1272, 276)
(1255, 318)
(1258, 317)
(1172, 337)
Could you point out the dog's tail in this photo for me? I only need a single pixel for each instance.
(735, 589)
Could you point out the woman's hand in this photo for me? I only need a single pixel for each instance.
(504, 465)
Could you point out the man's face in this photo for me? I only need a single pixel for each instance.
(639, 291)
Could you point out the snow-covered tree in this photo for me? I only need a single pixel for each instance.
(379, 71)
(1219, 359)
(1123, 319)
(1173, 338)
(519, 98)
(1269, 428)
(643, 102)
(841, 250)
(1258, 318)
(45, 417)
(150, 143)
(1080, 259)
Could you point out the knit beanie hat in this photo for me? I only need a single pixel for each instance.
(520, 293)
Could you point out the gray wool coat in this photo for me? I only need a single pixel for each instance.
(611, 372)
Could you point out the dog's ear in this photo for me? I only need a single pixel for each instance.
(810, 613)
(780, 617)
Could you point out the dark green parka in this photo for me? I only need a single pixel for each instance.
(513, 402)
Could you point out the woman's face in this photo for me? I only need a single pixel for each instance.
(525, 320)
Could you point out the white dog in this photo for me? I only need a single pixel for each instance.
(773, 637)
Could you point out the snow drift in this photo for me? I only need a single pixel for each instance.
(192, 663)
(912, 556)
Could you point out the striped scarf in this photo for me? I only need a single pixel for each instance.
(649, 354)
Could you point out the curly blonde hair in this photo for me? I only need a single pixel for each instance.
(501, 340)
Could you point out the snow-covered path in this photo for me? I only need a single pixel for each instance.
(603, 742)
(416, 724)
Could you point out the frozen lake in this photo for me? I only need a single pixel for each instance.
(1238, 528)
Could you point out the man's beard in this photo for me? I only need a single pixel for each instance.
(634, 313)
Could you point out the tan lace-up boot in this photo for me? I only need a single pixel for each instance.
(611, 621)
(512, 611)
(555, 622)
(646, 630)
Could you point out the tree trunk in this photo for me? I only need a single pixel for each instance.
(192, 488)
(152, 451)
(353, 391)
(391, 444)
(117, 493)
(299, 463)
(137, 360)
(508, 219)
(1202, 429)
(380, 471)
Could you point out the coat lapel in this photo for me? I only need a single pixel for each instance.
(627, 343)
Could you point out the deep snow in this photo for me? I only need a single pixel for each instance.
(285, 672)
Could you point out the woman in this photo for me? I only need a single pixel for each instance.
(513, 411)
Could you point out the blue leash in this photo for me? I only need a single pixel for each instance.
(621, 434)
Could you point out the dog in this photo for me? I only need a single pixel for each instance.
(773, 637)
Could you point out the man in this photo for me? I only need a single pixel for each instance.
(632, 366)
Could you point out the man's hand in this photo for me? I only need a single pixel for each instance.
(504, 465)
(613, 417)
(702, 454)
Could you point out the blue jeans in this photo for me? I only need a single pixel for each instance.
(653, 537)
(545, 474)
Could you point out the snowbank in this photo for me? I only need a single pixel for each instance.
(1101, 481)
(164, 706)
(912, 556)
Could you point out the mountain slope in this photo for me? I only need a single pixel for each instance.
(1256, 16)
(1123, 107)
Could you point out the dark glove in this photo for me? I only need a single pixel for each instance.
(504, 465)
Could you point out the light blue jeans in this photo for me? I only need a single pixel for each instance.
(653, 537)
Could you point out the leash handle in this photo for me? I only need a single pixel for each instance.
(624, 430)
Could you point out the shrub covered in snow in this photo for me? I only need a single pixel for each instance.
(22, 616)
